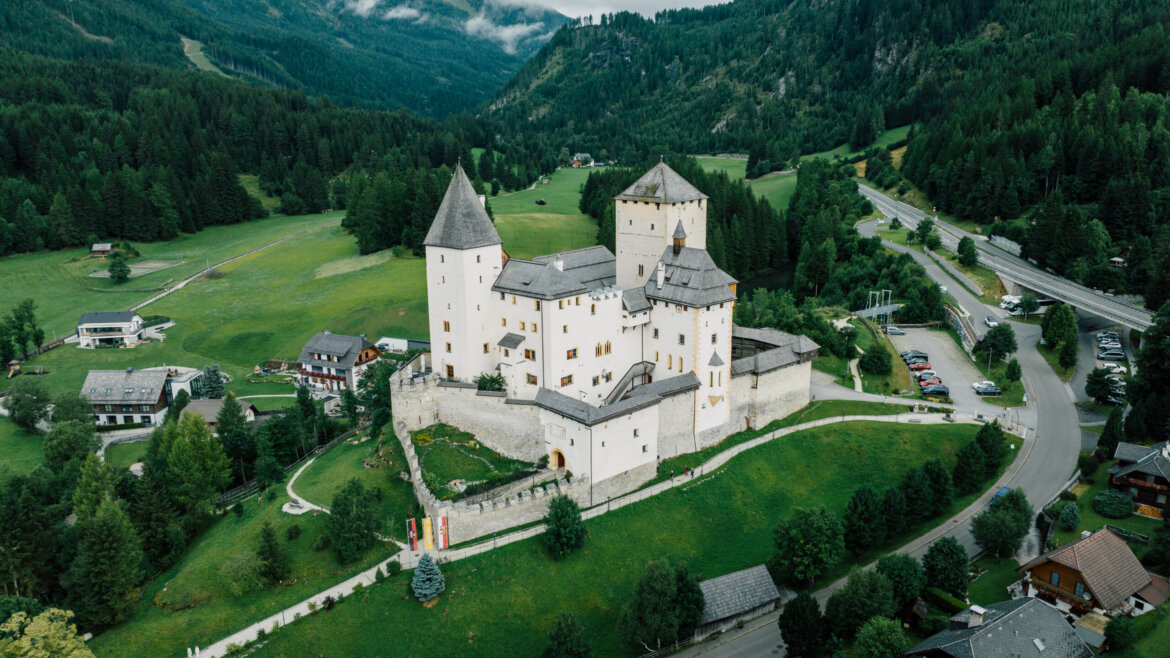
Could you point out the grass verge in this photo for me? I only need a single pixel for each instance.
(991, 585)
(20, 451)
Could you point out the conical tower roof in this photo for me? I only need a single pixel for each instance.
(679, 232)
(462, 222)
(661, 185)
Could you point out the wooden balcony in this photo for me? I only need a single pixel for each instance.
(322, 375)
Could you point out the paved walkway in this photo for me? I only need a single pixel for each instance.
(408, 559)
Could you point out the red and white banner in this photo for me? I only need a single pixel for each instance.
(412, 534)
(442, 532)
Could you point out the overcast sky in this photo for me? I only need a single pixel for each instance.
(576, 8)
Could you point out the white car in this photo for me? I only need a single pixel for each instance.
(1113, 368)
(978, 385)
(1109, 345)
(990, 321)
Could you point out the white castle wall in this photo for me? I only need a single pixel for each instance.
(760, 399)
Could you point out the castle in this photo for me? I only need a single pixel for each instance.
(610, 363)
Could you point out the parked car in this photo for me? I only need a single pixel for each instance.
(921, 365)
(982, 383)
(1113, 368)
(1000, 495)
(925, 374)
(988, 390)
(1111, 355)
(933, 381)
(894, 331)
(1115, 401)
(1109, 345)
(990, 321)
(917, 359)
(908, 354)
(938, 390)
(1107, 334)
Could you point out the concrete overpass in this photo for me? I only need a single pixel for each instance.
(1018, 270)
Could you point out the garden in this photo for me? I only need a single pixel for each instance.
(1092, 486)
(456, 466)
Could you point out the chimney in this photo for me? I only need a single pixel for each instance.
(661, 274)
(559, 264)
(680, 238)
(1086, 533)
(975, 616)
(482, 200)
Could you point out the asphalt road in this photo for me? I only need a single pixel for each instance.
(1018, 269)
(1051, 420)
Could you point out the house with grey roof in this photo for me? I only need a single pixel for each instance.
(1022, 627)
(737, 597)
(1143, 472)
(109, 329)
(335, 362)
(210, 408)
(123, 397)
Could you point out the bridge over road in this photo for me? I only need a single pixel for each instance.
(1019, 270)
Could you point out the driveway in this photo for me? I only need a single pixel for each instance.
(953, 367)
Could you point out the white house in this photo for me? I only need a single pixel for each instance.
(109, 329)
(332, 362)
(629, 359)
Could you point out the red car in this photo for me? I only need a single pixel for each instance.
(929, 382)
(921, 365)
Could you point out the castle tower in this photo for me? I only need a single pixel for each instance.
(464, 257)
(647, 214)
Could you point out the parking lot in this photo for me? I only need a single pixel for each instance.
(946, 359)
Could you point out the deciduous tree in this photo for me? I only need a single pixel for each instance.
(866, 594)
(968, 254)
(650, 619)
(969, 471)
(1097, 385)
(49, 633)
(353, 521)
(906, 578)
(808, 543)
(567, 639)
(945, 565)
(863, 520)
(564, 532)
(27, 403)
(1014, 372)
(881, 638)
(802, 626)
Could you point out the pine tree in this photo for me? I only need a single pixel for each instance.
(970, 470)
(239, 444)
(866, 594)
(119, 271)
(689, 603)
(894, 512)
(941, 489)
(94, 487)
(353, 521)
(991, 441)
(919, 495)
(274, 560)
(428, 580)
(156, 520)
(863, 520)
(945, 565)
(1014, 372)
(101, 582)
(197, 468)
(567, 639)
(213, 388)
(1113, 434)
(802, 626)
(349, 407)
(564, 530)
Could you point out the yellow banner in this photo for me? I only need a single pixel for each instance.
(428, 536)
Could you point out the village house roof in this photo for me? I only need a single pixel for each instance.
(595, 267)
(1149, 460)
(634, 300)
(127, 386)
(345, 348)
(737, 593)
(511, 340)
(102, 246)
(462, 222)
(107, 317)
(1023, 627)
(768, 349)
(210, 408)
(691, 279)
(661, 185)
(639, 398)
(1110, 569)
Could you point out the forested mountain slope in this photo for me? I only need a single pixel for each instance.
(432, 57)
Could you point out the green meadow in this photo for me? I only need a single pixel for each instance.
(504, 601)
(20, 451)
(529, 229)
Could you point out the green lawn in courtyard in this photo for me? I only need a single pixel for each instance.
(190, 604)
(1091, 520)
(376, 467)
(20, 451)
(505, 601)
(446, 453)
(265, 307)
(991, 587)
(59, 281)
(122, 455)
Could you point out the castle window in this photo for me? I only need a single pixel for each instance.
(680, 366)
(566, 380)
(481, 279)
(670, 362)
(609, 376)
(641, 270)
(506, 352)
(560, 303)
(564, 328)
(442, 259)
(656, 332)
(655, 355)
(636, 433)
(487, 348)
(503, 322)
(596, 380)
(446, 325)
(571, 354)
(651, 227)
(603, 444)
(533, 327)
(444, 280)
(501, 297)
(682, 339)
(477, 258)
(593, 309)
(712, 374)
(531, 378)
(538, 304)
(721, 378)
(513, 300)
(522, 325)
(714, 338)
(643, 447)
(530, 355)
(608, 347)
(448, 348)
(578, 300)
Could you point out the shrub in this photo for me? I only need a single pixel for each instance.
(1088, 464)
(876, 362)
(293, 532)
(393, 569)
(943, 600)
(1067, 495)
(323, 542)
(1070, 516)
(1113, 504)
(1121, 633)
(379, 575)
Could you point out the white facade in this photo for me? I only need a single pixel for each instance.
(109, 329)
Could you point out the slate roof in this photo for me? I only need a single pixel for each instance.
(210, 409)
(1153, 460)
(679, 232)
(511, 340)
(634, 300)
(1010, 628)
(345, 348)
(715, 361)
(107, 317)
(1104, 560)
(736, 593)
(538, 280)
(462, 222)
(777, 349)
(661, 185)
(102, 246)
(692, 279)
(639, 398)
(125, 386)
(595, 267)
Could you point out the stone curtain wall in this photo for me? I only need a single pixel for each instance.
(760, 399)
(510, 427)
(466, 521)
